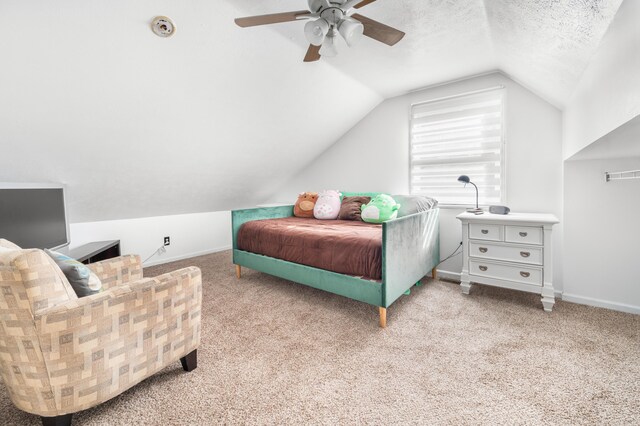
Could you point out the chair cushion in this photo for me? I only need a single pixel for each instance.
(83, 281)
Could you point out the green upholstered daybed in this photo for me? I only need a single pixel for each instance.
(410, 249)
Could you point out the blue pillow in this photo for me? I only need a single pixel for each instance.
(82, 280)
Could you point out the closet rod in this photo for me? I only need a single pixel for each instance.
(629, 174)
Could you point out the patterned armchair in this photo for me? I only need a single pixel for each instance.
(60, 354)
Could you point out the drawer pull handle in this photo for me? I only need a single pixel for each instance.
(523, 234)
(525, 254)
(485, 231)
(483, 268)
(483, 249)
(525, 274)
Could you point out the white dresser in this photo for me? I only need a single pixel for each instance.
(511, 251)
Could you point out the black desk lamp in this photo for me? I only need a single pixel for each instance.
(465, 179)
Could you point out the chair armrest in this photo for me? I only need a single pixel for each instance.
(96, 347)
(117, 271)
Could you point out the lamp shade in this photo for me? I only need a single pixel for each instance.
(464, 179)
(316, 31)
(351, 30)
(328, 48)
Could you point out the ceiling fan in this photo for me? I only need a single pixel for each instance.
(328, 18)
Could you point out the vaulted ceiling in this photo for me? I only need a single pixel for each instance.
(544, 44)
(216, 116)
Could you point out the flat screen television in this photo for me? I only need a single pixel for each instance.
(34, 215)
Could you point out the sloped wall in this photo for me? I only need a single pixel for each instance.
(140, 126)
(608, 94)
(380, 143)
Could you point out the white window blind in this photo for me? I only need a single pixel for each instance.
(462, 135)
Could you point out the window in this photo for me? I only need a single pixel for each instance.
(461, 135)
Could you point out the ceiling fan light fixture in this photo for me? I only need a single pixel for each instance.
(351, 30)
(316, 5)
(327, 19)
(328, 48)
(316, 31)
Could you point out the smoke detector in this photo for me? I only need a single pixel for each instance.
(163, 26)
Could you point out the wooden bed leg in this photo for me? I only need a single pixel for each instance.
(383, 317)
(238, 271)
(434, 273)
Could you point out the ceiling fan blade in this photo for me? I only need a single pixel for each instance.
(377, 31)
(363, 3)
(313, 54)
(275, 18)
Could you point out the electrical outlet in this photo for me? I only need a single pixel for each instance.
(167, 241)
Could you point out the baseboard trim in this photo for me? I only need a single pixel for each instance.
(448, 275)
(186, 256)
(599, 303)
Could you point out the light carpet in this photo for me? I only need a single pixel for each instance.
(275, 352)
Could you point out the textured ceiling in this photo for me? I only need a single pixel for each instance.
(216, 116)
(547, 44)
(444, 40)
(543, 44)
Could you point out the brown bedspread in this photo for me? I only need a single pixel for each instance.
(343, 246)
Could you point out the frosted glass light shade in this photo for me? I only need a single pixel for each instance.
(328, 48)
(316, 31)
(351, 30)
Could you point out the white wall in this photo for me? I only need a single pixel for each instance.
(601, 129)
(602, 235)
(608, 94)
(381, 140)
(137, 125)
(191, 235)
(622, 142)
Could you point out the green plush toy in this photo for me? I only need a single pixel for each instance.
(380, 209)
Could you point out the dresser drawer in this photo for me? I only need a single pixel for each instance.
(523, 234)
(480, 231)
(522, 274)
(532, 255)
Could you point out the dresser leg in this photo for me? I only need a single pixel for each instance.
(465, 286)
(548, 298)
(238, 271)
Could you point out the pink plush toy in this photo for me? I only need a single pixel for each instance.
(328, 205)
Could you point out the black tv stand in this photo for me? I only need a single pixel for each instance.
(96, 251)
